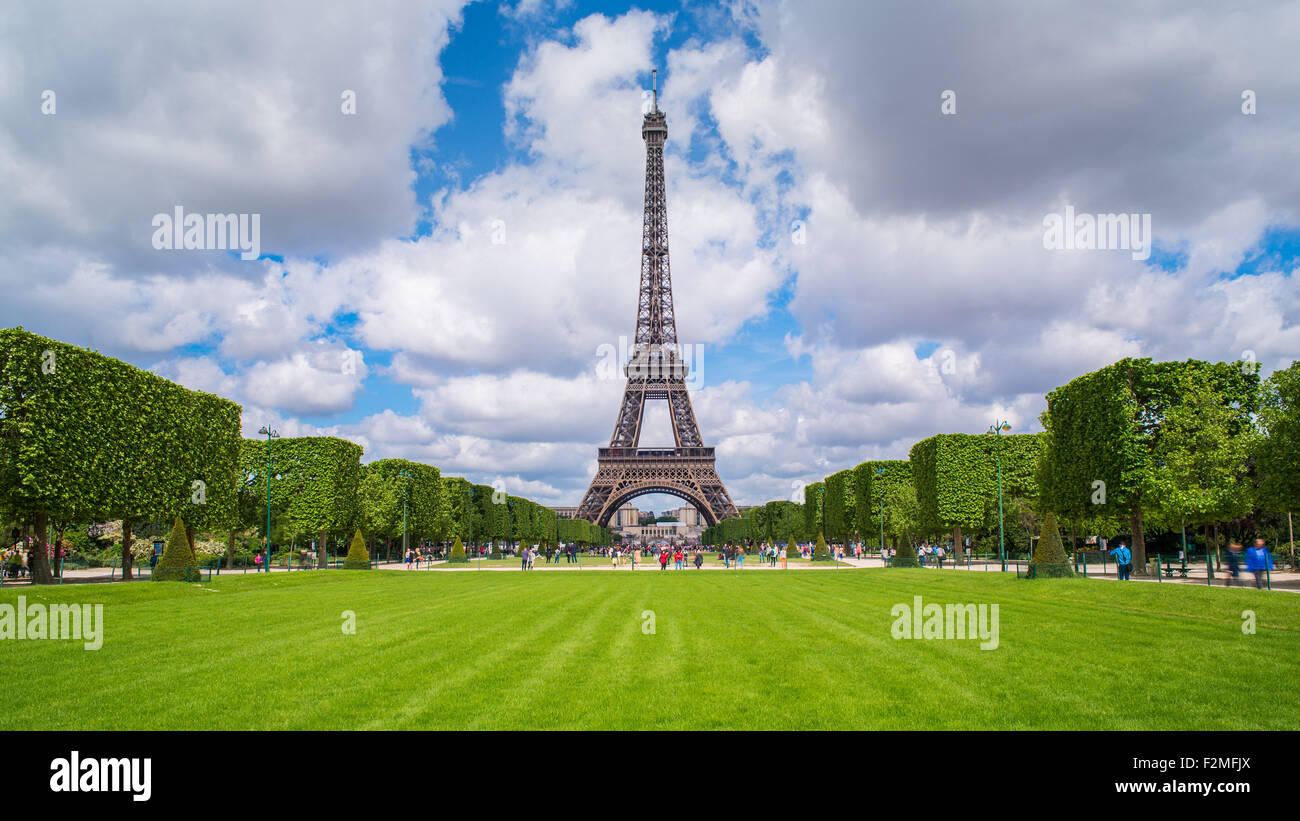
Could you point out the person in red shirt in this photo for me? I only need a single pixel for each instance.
(678, 556)
(663, 559)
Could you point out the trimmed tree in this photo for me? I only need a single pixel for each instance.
(812, 508)
(791, 552)
(457, 553)
(177, 563)
(905, 555)
(1104, 432)
(1277, 465)
(358, 557)
(1049, 559)
(820, 553)
(88, 438)
(318, 486)
(835, 514)
(956, 479)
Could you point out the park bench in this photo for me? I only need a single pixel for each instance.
(1172, 569)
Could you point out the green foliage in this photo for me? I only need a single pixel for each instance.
(956, 477)
(864, 502)
(381, 498)
(1104, 450)
(457, 553)
(894, 484)
(1276, 454)
(835, 505)
(1202, 452)
(581, 531)
(455, 519)
(178, 563)
(905, 555)
(1050, 560)
(820, 553)
(319, 485)
(358, 557)
(812, 509)
(791, 551)
(88, 438)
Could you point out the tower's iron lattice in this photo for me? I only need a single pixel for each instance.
(655, 370)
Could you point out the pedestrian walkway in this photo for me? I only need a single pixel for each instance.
(104, 575)
(1284, 580)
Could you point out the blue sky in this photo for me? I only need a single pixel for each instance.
(917, 298)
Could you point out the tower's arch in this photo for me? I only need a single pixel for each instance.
(691, 498)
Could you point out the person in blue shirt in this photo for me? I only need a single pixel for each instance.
(1123, 561)
(1259, 562)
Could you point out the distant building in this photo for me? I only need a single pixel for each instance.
(688, 516)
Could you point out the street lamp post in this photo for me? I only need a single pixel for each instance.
(997, 430)
(270, 434)
(881, 472)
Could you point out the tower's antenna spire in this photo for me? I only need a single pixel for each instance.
(654, 84)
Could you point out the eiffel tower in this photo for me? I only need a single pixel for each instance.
(655, 370)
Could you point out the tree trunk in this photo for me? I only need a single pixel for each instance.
(39, 565)
(230, 550)
(127, 556)
(957, 549)
(1139, 543)
(320, 550)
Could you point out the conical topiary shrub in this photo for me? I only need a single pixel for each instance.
(177, 563)
(358, 557)
(820, 553)
(457, 553)
(791, 552)
(1049, 559)
(905, 556)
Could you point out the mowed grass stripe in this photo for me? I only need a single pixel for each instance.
(730, 650)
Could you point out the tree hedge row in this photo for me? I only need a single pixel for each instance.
(88, 438)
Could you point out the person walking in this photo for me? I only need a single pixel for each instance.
(1234, 563)
(153, 561)
(663, 559)
(1123, 561)
(699, 558)
(1259, 562)
(678, 558)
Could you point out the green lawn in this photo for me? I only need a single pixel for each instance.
(731, 650)
(603, 563)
